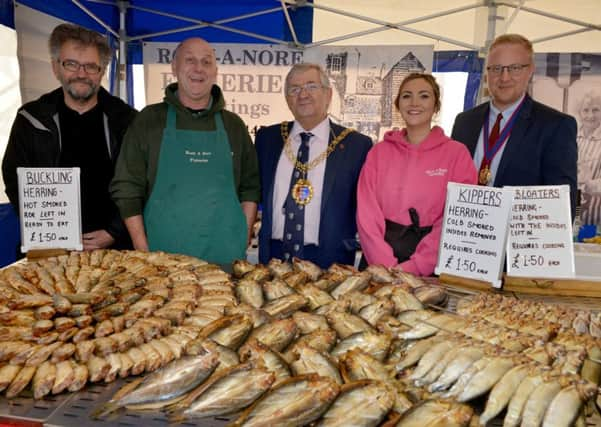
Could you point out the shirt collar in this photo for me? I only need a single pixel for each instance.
(494, 111)
(595, 135)
(321, 131)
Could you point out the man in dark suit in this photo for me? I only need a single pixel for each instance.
(309, 170)
(513, 139)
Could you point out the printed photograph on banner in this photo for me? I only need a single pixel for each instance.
(571, 82)
(365, 81)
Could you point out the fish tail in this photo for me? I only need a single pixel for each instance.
(175, 416)
(104, 410)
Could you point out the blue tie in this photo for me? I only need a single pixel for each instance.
(294, 233)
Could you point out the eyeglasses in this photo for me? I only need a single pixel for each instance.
(309, 87)
(74, 66)
(513, 69)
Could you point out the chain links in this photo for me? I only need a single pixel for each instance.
(305, 167)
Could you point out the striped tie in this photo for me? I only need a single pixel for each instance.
(294, 233)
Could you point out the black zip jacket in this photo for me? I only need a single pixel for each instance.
(35, 142)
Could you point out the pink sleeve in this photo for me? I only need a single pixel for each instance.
(423, 261)
(370, 218)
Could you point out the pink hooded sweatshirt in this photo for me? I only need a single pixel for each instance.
(398, 175)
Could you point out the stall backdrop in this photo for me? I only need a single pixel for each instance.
(366, 47)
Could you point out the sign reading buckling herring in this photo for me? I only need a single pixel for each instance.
(50, 208)
(474, 232)
(540, 233)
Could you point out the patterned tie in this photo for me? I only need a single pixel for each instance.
(492, 140)
(294, 234)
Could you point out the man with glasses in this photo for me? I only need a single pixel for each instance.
(77, 125)
(309, 170)
(513, 139)
(187, 179)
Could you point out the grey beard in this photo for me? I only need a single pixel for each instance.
(86, 96)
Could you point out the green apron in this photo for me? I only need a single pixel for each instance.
(193, 208)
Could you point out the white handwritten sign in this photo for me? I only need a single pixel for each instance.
(50, 208)
(474, 231)
(540, 237)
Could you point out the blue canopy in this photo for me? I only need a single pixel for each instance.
(234, 21)
(136, 21)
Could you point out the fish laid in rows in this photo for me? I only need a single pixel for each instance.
(356, 365)
(501, 393)
(437, 413)
(227, 392)
(362, 403)
(165, 386)
(308, 360)
(296, 401)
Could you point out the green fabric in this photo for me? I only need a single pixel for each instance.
(208, 222)
(137, 165)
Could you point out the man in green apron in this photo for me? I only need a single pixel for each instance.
(187, 177)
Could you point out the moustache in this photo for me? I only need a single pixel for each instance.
(80, 80)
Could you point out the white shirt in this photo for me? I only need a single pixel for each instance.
(492, 118)
(317, 144)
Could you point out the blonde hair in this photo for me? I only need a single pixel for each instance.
(514, 39)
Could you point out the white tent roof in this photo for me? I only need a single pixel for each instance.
(552, 25)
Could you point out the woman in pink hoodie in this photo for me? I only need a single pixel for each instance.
(402, 187)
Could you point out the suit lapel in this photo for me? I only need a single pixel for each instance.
(334, 163)
(276, 152)
(474, 131)
(513, 144)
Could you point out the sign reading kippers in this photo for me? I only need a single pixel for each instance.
(50, 209)
(474, 232)
(540, 237)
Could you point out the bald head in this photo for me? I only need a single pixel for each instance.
(191, 43)
(195, 67)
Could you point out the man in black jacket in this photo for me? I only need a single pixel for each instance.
(77, 125)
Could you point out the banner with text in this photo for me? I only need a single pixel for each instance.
(365, 80)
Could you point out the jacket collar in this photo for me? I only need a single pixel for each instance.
(514, 143)
(47, 105)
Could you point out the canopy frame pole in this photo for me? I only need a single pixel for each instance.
(401, 23)
(122, 69)
(216, 24)
(514, 15)
(390, 25)
(553, 16)
(491, 31)
(557, 36)
(95, 18)
(289, 22)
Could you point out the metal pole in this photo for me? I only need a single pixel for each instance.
(388, 25)
(94, 17)
(490, 36)
(289, 22)
(122, 70)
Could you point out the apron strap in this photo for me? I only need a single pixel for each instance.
(219, 126)
(171, 117)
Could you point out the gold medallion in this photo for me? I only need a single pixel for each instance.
(484, 176)
(302, 192)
